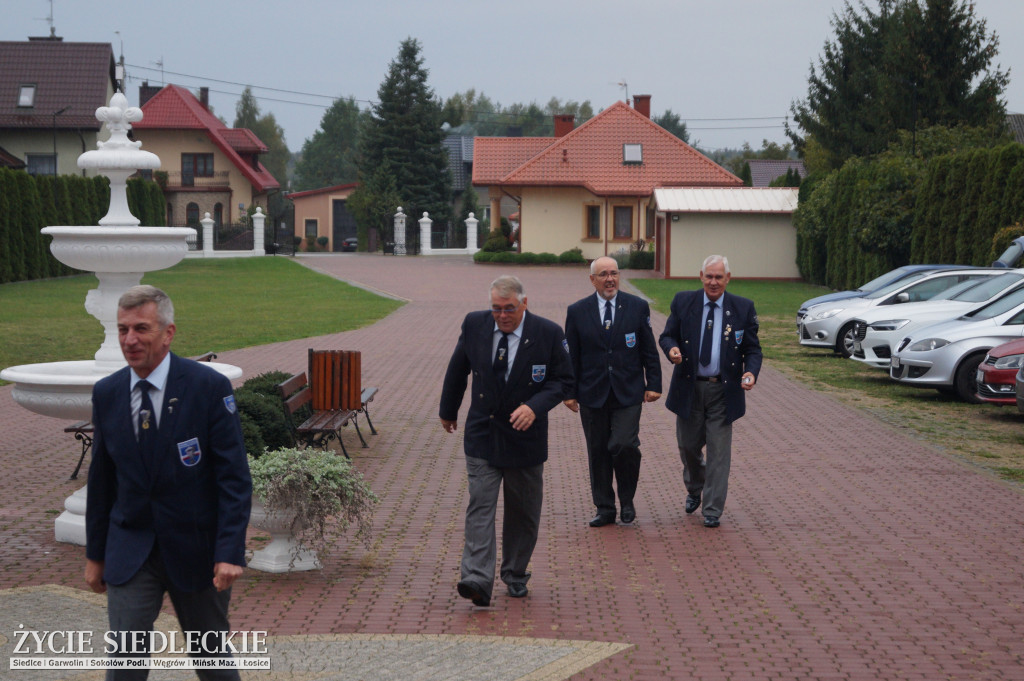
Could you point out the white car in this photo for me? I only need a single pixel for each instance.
(830, 325)
(876, 332)
(946, 355)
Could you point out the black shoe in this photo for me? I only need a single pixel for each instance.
(517, 590)
(474, 593)
(602, 519)
(692, 502)
(711, 521)
(628, 513)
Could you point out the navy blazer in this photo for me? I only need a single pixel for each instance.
(623, 361)
(538, 378)
(740, 350)
(193, 502)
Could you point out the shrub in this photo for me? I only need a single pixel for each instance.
(524, 258)
(264, 421)
(641, 260)
(482, 256)
(573, 255)
(1002, 240)
(546, 259)
(321, 241)
(505, 257)
(496, 243)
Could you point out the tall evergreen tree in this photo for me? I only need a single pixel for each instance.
(329, 156)
(910, 64)
(404, 131)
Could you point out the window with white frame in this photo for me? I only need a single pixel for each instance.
(27, 96)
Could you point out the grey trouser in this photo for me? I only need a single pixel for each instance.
(706, 425)
(613, 448)
(524, 492)
(135, 605)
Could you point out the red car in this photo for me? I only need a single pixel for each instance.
(997, 374)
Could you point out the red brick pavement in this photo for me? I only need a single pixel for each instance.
(847, 549)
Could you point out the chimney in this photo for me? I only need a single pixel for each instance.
(564, 124)
(147, 92)
(642, 104)
(204, 97)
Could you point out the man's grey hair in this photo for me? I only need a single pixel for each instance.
(593, 263)
(507, 285)
(137, 296)
(712, 259)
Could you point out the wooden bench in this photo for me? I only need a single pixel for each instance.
(334, 396)
(83, 429)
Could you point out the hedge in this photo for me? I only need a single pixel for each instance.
(28, 203)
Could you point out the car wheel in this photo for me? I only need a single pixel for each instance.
(845, 340)
(964, 381)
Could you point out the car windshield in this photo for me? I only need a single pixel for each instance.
(886, 290)
(998, 306)
(884, 280)
(980, 291)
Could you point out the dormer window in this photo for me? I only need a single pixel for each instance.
(632, 154)
(27, 96)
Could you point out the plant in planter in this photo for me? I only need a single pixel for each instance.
(304, 492)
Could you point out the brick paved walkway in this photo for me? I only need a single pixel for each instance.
(847, 550)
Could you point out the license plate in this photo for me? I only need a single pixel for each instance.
(894, 362)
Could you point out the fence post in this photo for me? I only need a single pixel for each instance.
(207, 223)
(399, 235)
(471, 234)
(258, 219)
(425, 223)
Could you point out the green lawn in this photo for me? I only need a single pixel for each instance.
(220, 305)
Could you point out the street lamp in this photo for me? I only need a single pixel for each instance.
(54, 115)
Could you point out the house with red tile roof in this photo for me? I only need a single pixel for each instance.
(206, 167)
(49, 93)
(591, 187)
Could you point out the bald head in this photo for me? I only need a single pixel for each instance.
(604, 275)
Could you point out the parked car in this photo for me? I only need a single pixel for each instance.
(350, 244)
(886, 279)
(1020, 390)
(997, 373)
(946, 355)
(830, 325)
(878, 330)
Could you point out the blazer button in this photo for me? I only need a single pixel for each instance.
(481, 396)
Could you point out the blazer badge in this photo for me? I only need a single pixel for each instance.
(189, 452)
(630, 340)
(739, 336)
(538, 373)
(229, 404)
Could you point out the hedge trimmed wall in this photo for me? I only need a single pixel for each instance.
(871, 216)
(30, 202)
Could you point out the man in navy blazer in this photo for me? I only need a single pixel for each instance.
(520, 371)
(711, 337)
(616, 368)
(169, 485)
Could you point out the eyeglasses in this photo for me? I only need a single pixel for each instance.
(606, 275)
(508, 309)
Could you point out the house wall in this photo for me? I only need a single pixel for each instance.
(169, 145)
(318, 207)
(757, 245)
(70, 145)
(554, 220)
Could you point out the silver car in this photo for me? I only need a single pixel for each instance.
(830, 325)
(877, 331)
(946, 355)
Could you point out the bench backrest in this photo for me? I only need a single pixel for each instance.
(295, 393)
(335, 378)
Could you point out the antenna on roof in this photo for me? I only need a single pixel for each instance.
(625, 86)
(160, 62)
(49, 19)
(119, 73)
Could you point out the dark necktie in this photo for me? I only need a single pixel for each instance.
(607, 316)
(501, 359)
(147, 419)
(705, 344)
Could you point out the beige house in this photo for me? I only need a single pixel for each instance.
(208, 167)
(752, 226)
(49, 93)
(591, 187)
(323, 213)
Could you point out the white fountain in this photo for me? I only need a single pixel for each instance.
(119, 252)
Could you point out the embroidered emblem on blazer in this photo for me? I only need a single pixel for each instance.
(189, 452)
(630, 340)
(538, 373)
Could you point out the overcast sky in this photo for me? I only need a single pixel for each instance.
(729, 68)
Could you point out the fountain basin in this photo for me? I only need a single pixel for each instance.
(64, 389)
(119, 249)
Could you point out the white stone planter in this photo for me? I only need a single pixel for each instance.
(283, 553)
